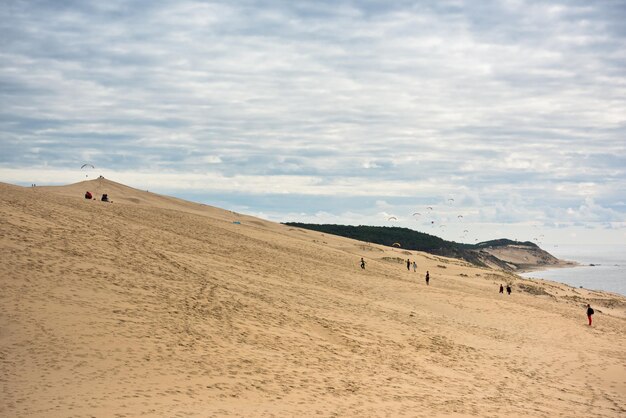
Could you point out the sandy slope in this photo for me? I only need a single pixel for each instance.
(152, 306)
(521, 258)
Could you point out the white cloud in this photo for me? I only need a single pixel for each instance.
(211, 159)
(515, 108)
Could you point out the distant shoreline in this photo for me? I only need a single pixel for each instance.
(562, 264)
(606, 277)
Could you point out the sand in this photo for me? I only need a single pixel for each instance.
(522, 258)
(153, 306)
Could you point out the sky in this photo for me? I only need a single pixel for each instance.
(507, 118)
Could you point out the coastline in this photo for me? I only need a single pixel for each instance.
(562, 264)
(524, 258)
(607, 277)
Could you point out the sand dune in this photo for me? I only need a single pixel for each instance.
(153, 306)
(524, 258)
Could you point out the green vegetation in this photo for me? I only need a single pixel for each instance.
(413, 240)
(503, 242)
(408, 238)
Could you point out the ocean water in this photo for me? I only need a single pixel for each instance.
(607, 273)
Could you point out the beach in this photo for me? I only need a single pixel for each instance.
(155, 306)
(599, 267)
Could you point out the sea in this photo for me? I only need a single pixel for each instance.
(602, 267)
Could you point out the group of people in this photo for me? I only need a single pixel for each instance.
(590, 310)
(408, 267)
(414, 265)
(104, 198)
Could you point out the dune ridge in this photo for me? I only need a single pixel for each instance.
(154, 306)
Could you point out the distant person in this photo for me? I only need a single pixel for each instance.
(408, 264)
(88, 195)
(590, 312)
(362, 263)
(501, 289)
(105, 198)
(414, 266)
(508, 289)
(427, 278)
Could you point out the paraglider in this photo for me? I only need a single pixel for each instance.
(460, 217)
(417, 213)
(429, 208)
(396, 244)
(392, 218)
(87, 167)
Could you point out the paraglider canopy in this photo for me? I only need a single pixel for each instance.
(392, 218)
(396, 244)
(87, 168)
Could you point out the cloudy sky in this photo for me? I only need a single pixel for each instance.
(510, 113)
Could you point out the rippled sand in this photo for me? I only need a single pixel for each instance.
(153, 306)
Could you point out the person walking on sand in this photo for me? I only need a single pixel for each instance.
(362, 263)
(408, 264)
(589, 313)
(427, 278)
(501, 289)
(508, 289)
(414, 267)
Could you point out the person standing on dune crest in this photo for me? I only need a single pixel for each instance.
(589, 313)
(427, 278)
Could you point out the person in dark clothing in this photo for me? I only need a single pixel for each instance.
(501, 289)
(589, 313)
(427, 278)
(88, 195)
(362, 263)
(408, 264)
(105, 197)
(508, 289)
